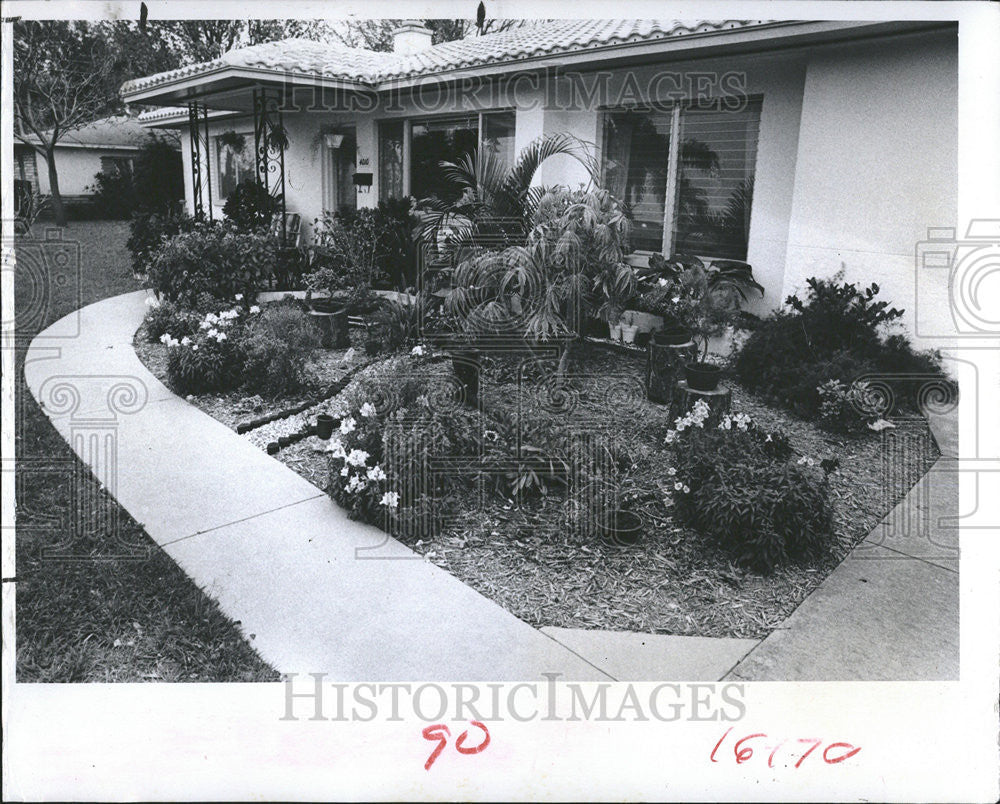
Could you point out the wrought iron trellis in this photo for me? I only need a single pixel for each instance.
(198, 114)
(270, 140)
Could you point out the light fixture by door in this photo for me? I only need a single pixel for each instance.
(334, 140)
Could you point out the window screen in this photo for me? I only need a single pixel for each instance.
(390, 160)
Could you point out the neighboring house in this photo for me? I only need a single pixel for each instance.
(798, 146)
(109, 145)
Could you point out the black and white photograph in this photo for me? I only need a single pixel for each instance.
(496, 405)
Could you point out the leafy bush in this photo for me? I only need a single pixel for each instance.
(408, 404)
(165, 317)
(114, 195)
(277, 346)
(150, 228)
(215, 259)
(210, 360)
(739, 484)
(159, 176)
(250, 206)
(834, 334)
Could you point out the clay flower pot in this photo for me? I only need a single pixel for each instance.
(324, 426)
(628, 333)
(622, 527)
(702, 376)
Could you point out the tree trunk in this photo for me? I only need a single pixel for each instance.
(58, 209)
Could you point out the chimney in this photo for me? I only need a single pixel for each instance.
(410, 37)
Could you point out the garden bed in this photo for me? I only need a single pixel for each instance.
(675, 581)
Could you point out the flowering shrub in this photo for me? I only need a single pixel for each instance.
(163, 316)
(393, 419)
(742, 486)
(216, 259)
(211, 359)
(277, 346)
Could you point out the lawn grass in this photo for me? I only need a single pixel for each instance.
(98, 618)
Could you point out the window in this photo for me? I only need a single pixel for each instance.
(390, 160)
(235, 163)
(686, 175)
(442, 139)
(117, 166)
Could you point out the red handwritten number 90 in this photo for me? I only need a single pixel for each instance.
(440, 732)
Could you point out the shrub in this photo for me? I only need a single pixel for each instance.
(212, 359)
(277, 346)
(113, 195)
(215, 259)
(834, 334)
(250, 206)
(740, 485)
(148, 230)
(165, 317)
(159, 176)
(408, 404)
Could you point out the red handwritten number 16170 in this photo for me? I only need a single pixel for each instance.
(440, 732)
(743, 749)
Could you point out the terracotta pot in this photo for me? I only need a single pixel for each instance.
(702, 376)
(628, 333)
(324, 426)
(622, 527)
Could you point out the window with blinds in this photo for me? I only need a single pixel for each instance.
(686, 176)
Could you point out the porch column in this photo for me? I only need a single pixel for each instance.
(270, 139)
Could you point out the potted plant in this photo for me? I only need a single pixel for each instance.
(330, 309)
(324, 426)
(628, 328)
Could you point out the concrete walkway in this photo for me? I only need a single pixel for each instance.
(889, 612)
(318, 593)
(314, 591)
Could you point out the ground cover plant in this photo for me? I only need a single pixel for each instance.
(813, 355)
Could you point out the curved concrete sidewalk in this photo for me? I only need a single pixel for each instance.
(315, 591)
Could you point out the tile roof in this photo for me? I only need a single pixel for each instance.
(110, 132)
(542, 38)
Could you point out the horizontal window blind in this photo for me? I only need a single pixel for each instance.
(716, 160)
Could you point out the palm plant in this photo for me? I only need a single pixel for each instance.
(498, 203)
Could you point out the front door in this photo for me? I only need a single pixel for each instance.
(342, 165)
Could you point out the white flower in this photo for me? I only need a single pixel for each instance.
(345, 472)
(769, 438)
(376, 473)
(880, 425)
(662, 282)
(423, 400)
(348, 425)
(356, 483)
(417, 351)
(185, 341)
(676, 300)
(220, 337)
(390, 498)
(678, 486)
(205, 325)
(254, 308)
(672, 471)
(213, 333)
(194, 348)
(164, 337)
(807, 461)
(671, 435)
(686, 489)
(358, 457)
(336, 447)
(367, 410)
(239, 297)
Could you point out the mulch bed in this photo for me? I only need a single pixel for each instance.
(674, 581)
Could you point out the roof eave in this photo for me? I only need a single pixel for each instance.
(261, 75)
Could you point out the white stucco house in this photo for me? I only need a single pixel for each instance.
(105, 145)
(810, 146)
